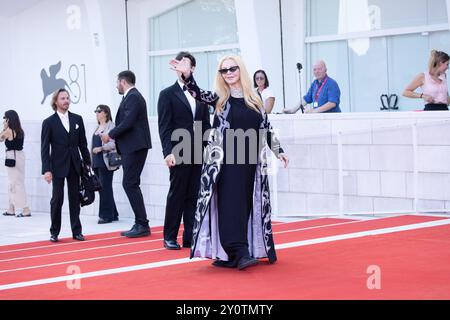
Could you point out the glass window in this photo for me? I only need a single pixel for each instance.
(368, 76)
(335, 56)
(407, 13)
(323, 15)
(164, 31)
(437, 11)
(182, 28)
(367, 68)
(402, 70)
(405, 64)
(161, 76)
(332, 17)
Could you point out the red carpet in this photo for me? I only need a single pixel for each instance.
(414, 264)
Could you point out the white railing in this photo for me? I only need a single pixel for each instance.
(349, 198)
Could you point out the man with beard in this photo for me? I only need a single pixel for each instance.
(132, 137)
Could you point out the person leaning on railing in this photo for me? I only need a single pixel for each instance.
(433, 83)
(324, 95)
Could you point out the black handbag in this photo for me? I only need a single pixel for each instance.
(86, 197)
(114, 159)
(89, 180)
(11, 162)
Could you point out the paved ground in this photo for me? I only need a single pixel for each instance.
(35, 228)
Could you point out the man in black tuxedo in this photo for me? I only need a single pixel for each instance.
(177, 109)
(132, 137)
(63, 138)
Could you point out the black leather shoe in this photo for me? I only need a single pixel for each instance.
(133, 229)
(54, 238)
(138, 231)
(78, 237)
(187, 244)
(246, 262)
(171, 245)
(103, 221)
(224, 264)
(116, 219)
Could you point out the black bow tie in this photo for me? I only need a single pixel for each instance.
(184, 88)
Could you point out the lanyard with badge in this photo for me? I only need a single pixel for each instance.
(316, 97)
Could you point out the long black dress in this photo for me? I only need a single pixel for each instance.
(245, 227)
(236, 182)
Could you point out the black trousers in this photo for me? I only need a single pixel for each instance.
(436, 107)
(107, 209)
(182, 200)
(56, 203)
(133, 164)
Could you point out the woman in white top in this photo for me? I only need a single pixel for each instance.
(261, 83)
(433, 83)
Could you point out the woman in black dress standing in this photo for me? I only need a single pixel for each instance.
(107, 210)
(232, 222)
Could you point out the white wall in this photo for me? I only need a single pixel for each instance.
(154, 179)
(6, 99)
(49, 32)
(377, 163)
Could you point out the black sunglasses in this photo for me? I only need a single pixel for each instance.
(231, 69)
(98, 111)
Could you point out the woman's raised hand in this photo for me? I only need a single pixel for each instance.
(183, 66)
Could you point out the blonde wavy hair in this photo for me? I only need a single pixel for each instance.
(436, 59)
(252, 99)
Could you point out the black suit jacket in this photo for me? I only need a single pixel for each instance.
(59, 148)
(132, 131)
(174, 112)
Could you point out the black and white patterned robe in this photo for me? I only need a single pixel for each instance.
(206, 238)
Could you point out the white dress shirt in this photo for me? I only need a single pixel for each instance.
(64, 119)
(189, 97)
(126, 92)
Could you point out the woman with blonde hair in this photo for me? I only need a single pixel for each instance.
(433, 83)
(13, 136)
(232, 221)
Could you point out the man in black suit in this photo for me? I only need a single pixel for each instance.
(177, 109)
(63, 138)
(132, 137)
